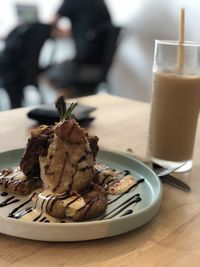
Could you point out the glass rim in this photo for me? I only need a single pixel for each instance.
(175, 43)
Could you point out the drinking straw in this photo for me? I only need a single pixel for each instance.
(180, 59)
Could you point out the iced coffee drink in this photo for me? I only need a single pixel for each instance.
(174, 114)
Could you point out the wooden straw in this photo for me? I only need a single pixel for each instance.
(180, 59)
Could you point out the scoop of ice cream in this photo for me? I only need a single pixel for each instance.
(69, 162)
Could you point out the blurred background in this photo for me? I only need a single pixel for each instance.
(129, 73)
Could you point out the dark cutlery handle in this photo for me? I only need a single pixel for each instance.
(175, 182)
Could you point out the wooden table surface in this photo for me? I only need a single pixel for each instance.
(172, 238)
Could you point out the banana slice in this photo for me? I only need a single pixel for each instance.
(14, 181)
(121, 186)
(58, 205)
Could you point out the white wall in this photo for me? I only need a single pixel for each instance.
(8, 16)
(153, 19)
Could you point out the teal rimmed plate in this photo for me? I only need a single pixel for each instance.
(130, 218)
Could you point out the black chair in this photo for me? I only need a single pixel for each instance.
(86, 76)
(19, 65)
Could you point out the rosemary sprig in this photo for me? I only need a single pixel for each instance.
(63, 111)
(69, 110)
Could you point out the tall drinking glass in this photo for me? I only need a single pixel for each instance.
(175, 104)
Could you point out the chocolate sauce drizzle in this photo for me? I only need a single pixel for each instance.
(23, 212)
(123, 206)
(117, 210)
(12, 213)
(4, 194)
(128, 212)
(49, 200)
(9, 201)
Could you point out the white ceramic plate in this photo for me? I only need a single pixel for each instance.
(137, 214)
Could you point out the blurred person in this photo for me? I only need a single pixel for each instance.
(87, 18)
(19, 59)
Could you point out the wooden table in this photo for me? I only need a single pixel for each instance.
(172, 238)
